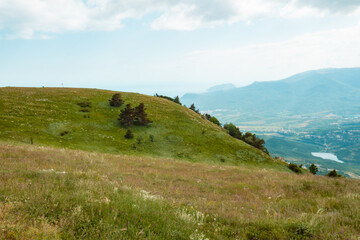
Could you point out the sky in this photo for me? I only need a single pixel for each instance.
(172, 47)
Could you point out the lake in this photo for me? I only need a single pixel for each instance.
(327, 156)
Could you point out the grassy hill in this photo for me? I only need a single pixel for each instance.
(81, 179)
(51, 117)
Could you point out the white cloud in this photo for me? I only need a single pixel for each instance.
(272, 61)
(36, 18)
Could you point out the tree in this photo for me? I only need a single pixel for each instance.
(140, 117)
(177, 100)
(294, 168)
(215, 120)
(192, 107)
(313, 169)
(129, 134)
(116, 100)
(126, 117)
(233, 130)
(333, 173)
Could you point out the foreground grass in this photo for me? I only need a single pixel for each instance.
(50, 193)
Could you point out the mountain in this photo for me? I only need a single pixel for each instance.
(335, 91)
(314, 111)
(222, 87)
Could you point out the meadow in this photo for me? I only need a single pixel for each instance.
(53, 193)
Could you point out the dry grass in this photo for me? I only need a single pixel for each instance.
(237, 202)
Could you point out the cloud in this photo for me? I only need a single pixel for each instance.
(335, 48)
(335, 6)
(41, 18)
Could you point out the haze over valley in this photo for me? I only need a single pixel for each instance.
(314, 111)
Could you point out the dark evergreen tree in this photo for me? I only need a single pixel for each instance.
(126, 117)
(313, 169)
(177, 100)
(333, 173)
(207, 116)
(116, 100)
(140, 117)
(192, 107)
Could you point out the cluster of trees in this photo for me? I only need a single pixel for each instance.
(130, 116)
(234, 131)
(313, 169)
(175, 99)
(212, 119)
(248, 137)
(206, 115)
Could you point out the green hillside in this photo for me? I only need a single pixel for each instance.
(67, 172)
(52, 117)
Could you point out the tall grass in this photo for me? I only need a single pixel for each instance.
(51, 193)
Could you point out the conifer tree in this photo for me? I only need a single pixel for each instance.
(177, 100)
(140, 117)
(313, 169)
(192, 107)
(116, 100)
(126, 117)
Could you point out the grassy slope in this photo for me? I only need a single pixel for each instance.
(44, 113)
(52, 193)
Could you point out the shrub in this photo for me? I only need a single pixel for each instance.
(215, 120)
(84, 104)
(313, 169)
(129, 134)
(333, 173)
(233, 130)
(295, 168)
(64, 133)
(175, 100)
(151, 137)
(116, 100)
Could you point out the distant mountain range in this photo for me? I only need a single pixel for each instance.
(326, 91)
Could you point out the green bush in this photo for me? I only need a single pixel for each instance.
(295, 168)
(333, 174)
(84, 104)
(129, 134)
(313, 169)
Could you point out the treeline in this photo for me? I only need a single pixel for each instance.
(175, 99)
(233, 131)
(248, 137)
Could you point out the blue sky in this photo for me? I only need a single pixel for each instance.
(172, 47)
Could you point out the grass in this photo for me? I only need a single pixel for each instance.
(81, 179)
(52, 117)
(52, 193)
